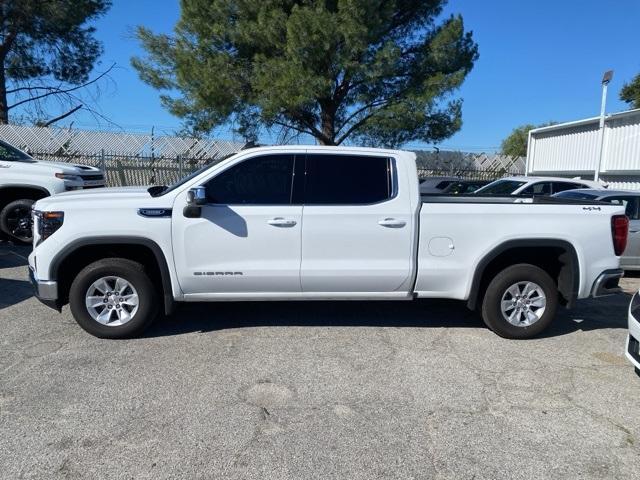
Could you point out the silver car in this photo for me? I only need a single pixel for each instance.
(630, 259)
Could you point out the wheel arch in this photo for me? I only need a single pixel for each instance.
(567, 277)
(15, 191)
(64, 256)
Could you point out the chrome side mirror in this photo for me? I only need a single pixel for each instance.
(196, 196)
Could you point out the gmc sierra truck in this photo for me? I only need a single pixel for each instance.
(23, 180)
(318, 223)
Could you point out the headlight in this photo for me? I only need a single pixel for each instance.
(68, 176)
(48, 223)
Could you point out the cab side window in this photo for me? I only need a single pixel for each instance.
(263, 180)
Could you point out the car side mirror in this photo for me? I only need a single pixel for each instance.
(196, 196)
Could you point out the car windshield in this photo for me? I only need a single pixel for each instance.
(158, 191)
(500, 187)
(12, 154)
(572, 194)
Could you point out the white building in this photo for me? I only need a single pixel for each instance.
(573, 150)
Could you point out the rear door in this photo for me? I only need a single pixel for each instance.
(357, 224)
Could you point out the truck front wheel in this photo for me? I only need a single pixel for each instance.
(113, 298)
(520, 302)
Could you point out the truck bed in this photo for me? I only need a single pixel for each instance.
(457, 232)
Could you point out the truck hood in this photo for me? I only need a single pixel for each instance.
(71, 168)
(109, 192)
(60, 167)
(102, 195)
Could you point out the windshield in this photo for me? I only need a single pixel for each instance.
(157, 191)
(576, 195)
(12, 154)
(500, 187)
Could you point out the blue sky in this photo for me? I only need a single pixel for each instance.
(539, 61)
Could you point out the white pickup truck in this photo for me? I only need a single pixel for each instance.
(23, 180)
(318, 223)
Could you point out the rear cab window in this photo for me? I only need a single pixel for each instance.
(348, 179)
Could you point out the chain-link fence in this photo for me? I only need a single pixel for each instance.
(150, 159)
(484, 175)
(126, 158)
(124, 170)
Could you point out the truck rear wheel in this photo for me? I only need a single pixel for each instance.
(520, 302)
(113, 298)
(15, 220)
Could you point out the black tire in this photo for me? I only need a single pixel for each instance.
(128, 270)
(15, 220)
(497, 288)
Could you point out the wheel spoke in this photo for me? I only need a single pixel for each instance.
(514, 290)
(121, 285)
(104, 317)
(538, 302)
(507, 305)
(531, 316)
(529, 289)
(95, 301)
(130, 300)
(102, 286)
(123, 315)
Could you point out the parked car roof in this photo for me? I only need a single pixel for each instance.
(515, 185)
(598, 192)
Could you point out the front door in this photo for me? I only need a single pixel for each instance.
(247, 239)
(357, 234)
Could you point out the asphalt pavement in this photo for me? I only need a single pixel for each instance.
(314, 390)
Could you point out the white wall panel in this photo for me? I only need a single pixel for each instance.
(572, 148)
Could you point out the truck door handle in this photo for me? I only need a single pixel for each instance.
(281, 222)
(392, 223)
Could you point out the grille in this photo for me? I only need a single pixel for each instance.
(92, 177)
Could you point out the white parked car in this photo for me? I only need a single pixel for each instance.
(534, 186)
(435, 185)
(318, 223)
(23, 180)
(633, 338)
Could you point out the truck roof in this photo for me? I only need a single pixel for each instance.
(322, 148)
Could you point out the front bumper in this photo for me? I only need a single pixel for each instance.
(607, 283)
(45, 290)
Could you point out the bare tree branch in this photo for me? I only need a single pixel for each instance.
(49, 91)
(64, 115)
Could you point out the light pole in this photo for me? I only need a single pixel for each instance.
(608, 75)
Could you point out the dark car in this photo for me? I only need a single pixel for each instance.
(464, 187)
